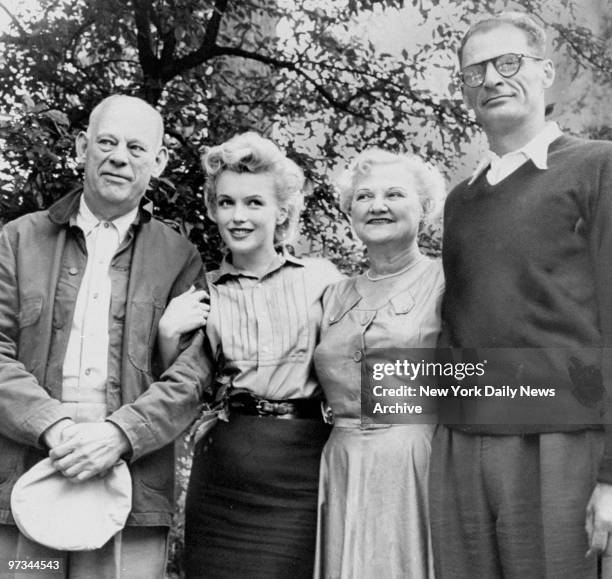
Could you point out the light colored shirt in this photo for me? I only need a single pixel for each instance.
(376, 318)
(85, 366)
(263, 331)
(535, 150)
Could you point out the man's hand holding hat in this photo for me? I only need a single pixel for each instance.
(88, 449)
(96, 508)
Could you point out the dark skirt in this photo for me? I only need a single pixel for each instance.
(252, 499)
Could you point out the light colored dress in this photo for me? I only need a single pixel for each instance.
(373, 510)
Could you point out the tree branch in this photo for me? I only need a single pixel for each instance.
(73, 41)
(289, 65)
(169, 46)
(146, 55)
(109, 61)
(596, 57)
(207, 49)
(14, 20)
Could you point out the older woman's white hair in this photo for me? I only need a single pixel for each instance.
(251, 153)
(430, 184)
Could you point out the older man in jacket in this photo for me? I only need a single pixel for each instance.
(82, 287)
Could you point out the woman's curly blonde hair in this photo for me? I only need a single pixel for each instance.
(251, 153)
(429, 182)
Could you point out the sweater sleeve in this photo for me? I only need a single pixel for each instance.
(601, 251)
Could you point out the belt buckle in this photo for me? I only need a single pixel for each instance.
(276, 409)
(264, 407)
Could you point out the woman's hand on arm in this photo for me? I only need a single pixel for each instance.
(185, 313)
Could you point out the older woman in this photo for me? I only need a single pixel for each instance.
(252, 498)
(373, 519)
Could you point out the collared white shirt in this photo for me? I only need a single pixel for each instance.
(535, 150)
(86, 363)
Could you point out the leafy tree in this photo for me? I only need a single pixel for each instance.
(303, 71)
(214, 68)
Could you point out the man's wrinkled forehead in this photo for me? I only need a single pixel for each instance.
(525, 23)
(489, 43)
(128, 115)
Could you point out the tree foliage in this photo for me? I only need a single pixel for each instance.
(294, 69)
(214, 69)
(302, 71)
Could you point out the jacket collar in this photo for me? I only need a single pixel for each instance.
(62, 211)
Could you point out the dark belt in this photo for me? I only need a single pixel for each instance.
(250, 405)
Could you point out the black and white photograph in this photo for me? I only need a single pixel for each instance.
(313, 289)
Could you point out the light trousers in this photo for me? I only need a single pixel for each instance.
(136, 553)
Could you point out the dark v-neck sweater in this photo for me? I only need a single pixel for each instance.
(528, 266)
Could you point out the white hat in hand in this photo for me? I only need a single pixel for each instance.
(66, 516)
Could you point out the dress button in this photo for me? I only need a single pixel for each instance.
(357, 356)
(73, 271)
(106, 225)
(88, 372)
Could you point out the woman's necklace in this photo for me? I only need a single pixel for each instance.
(388, 275)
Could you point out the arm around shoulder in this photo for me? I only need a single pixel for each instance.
(600, 237)
(324, 271)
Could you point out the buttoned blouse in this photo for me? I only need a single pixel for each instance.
(263, 331)
(409, 317)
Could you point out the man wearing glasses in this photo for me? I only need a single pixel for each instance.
(528, 265)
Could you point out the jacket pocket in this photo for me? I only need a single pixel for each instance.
(142, 332)
(29, 311)
(403, 302)
(155, 472)
(11, 465)
(341, 305)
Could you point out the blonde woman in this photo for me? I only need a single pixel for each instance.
(252, 498)
(373, 518)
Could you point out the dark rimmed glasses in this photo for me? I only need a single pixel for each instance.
(506, 65)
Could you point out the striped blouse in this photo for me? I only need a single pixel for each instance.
(263, 331)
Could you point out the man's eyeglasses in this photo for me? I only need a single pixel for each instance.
(506, 65)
